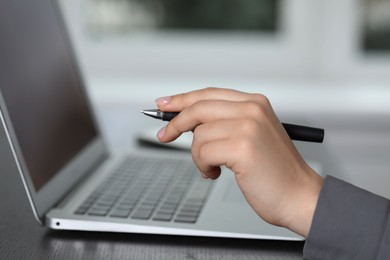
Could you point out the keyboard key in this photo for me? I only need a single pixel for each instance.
(128, 208)
(168, 212)
(168, 207)
(125, 204)
(150, 203)
(119, 213)
(185, 219)
(98, 212)
(81, 210)
(163, 217)
(142, 214)
(103, 203)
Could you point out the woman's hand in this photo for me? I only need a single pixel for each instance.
(242, 132)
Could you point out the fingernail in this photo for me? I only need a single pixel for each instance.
(163, 100)
(161, 132)
(204, 175)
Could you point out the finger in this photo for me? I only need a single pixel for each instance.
(216, 130)
(211, 156)
(181, 101)
(212, 173)
(208, 111)
(208, 132)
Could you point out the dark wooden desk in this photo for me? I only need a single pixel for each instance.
(22, 238)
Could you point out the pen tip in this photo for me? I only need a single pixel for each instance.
(142, 111)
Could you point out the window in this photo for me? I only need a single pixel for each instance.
(107, 16)
(376, 25)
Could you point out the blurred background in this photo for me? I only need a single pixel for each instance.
(134, 50)
(212, 43)
(321, 63)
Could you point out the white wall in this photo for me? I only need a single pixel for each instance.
(339, 53)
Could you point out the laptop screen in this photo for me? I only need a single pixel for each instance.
(45, 102)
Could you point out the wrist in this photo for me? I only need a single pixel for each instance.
(305, 202)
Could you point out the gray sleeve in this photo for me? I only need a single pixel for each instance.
(348, 223)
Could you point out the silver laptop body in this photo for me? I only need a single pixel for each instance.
(48, 125)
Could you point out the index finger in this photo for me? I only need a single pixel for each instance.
(180, 101)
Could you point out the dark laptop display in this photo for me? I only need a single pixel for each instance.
(45, 102)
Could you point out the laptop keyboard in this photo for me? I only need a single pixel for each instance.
(162, 190)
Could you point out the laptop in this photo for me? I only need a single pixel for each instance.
(71, 180)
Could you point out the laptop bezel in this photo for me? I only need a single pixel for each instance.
(67, 177)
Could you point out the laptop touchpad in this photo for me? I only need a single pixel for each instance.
(233, 193)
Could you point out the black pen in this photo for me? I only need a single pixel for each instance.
(295, 132)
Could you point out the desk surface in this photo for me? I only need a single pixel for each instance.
(22, 238)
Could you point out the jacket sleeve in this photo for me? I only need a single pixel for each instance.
(348, 223)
